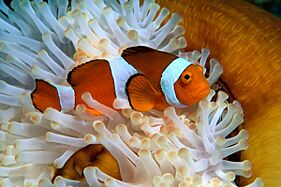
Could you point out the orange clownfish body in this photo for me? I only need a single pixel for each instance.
(146, 78)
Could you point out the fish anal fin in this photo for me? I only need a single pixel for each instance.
(83, 108)
(142, 95)
(45, 95)
(93, 112)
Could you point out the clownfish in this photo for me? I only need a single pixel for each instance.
(146, 78)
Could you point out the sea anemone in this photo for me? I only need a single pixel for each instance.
(246, 41)
(183, 147)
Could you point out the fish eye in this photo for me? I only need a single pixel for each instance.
(186, 78)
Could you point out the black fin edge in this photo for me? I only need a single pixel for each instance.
(137, 49)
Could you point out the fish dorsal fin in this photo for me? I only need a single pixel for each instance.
(142, 96)
(145, 58)
(82, 72)
(137, 50)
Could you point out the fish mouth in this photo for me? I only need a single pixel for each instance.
(203, 93)
(198, 96)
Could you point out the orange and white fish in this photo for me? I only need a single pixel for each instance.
(146, 78)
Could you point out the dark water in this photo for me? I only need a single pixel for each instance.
(273, 6)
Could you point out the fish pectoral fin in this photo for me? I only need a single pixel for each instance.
(45, 95)
(142, 96)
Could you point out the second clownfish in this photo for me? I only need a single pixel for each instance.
(146, 78)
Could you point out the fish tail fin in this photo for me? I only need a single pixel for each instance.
(45, 95)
